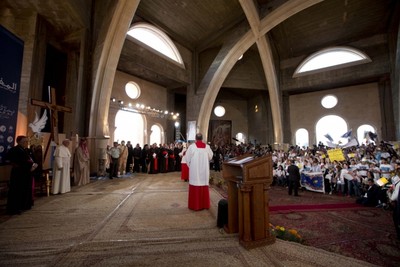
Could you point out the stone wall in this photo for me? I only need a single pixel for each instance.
(151, 95)
(357, 105)
(236, 112)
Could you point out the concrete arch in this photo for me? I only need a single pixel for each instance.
(108, 60)
(225, 61)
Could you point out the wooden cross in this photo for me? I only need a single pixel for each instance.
(54, 109)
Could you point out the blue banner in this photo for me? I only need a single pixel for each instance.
(313, 181)
(11, 53)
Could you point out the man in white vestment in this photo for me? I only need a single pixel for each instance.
(198, 158)
(61, 169)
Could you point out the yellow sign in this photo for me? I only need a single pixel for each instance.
(382, 181)
(336, 154)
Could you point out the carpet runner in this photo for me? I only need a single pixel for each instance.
(313, 207)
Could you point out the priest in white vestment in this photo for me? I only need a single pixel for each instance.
(198, 158)
(61, 169)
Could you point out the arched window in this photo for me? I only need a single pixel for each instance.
(331, 58)
(129, 127)
(362, 134)
(155, 39)
(241, 137)
(302, 137)
(331, 125)
(156, 134)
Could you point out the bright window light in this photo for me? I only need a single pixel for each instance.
(155, 136)
(156, 39)
(331, 58)
(129, 127)
(335, 126)
(132, 89)
(362, 134)
(241, 137)
(302, 137)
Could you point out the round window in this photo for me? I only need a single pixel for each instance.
(219, 111)
(132, 90)
(329, 101)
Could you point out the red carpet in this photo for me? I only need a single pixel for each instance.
(336, 224)
(313, 207)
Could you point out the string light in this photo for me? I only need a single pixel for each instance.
(145, 110)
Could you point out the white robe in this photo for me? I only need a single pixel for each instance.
(61, 182)
(81, 167)
(198, 161)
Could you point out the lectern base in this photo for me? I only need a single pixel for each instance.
(257, 243)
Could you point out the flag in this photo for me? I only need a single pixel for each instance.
(372, 136)
(331, 145)
(352, 142)
(347, 135)
(329, 137)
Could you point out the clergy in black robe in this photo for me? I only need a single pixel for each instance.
(137, 153)
(163, 157)
(144, 162)
(178, 158)
(20, 191)
(153, 157)
(171, 158)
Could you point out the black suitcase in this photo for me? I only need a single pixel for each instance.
(222, 217)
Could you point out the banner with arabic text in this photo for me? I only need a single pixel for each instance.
(11, 52)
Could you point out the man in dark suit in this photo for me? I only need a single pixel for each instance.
(370, 197)
(294, 178)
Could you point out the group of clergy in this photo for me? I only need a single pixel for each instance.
(159, 159)
(27, 166)
(164, 158)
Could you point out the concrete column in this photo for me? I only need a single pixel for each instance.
(106, 56)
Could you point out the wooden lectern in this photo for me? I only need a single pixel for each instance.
(248, 181)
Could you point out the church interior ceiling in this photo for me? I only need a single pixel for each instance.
(201, 26)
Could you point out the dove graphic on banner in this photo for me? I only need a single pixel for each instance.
(38, 124)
